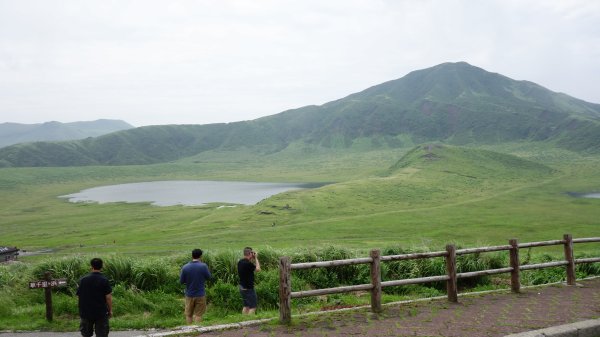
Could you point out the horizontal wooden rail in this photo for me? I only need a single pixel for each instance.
(415, 281)
(542, 243)
(586, 240)
(413, 256)
(484, 272)
(482, 250)
(334, 263)
(451, 277)
(544, 265)
(588, 260)
(329, 291)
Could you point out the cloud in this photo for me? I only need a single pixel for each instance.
(161, 62)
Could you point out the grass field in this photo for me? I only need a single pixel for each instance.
(399, 200)
(468, 197)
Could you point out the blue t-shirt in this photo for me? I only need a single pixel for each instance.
(194, 274)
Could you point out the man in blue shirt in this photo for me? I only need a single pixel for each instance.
(194, 275)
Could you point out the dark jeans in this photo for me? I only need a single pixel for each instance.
(86, 326)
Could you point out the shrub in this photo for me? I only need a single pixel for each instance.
(476, 262)
(586, 269)
(166, 304)
(225, 295)
(154, 275)
(267, 289)
(119, 270)
(6, 304)
(71, 268)
(223, 266)
(130, 301)
(13, 274)
(331, 276)
(65, 305)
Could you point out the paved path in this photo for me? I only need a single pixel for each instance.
(492, 314)
(485, 315)
(69, 334)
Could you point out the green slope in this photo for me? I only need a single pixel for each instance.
(428, 176)
(455, 103)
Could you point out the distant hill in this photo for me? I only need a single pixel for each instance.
(470, 163)
(454, 103)
(14, 133)
(429, 175)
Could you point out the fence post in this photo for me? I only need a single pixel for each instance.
(376, 280)
(48, 295)
(570, 259)
(515, 276)
(451, 286)
(285, 290)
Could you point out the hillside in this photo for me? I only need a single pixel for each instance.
(14, 133)
(454, 103)
(429, 175)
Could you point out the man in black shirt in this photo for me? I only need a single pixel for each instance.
(246, 271)
(95, 302)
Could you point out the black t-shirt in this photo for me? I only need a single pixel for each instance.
(92, 292)
(246, 273)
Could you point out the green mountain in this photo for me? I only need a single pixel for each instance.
(455, 103)
(14, 133)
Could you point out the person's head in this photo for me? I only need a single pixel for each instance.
(248, 253)
(96, 263)
(196, 253)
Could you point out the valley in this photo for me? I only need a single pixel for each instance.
(426, 196)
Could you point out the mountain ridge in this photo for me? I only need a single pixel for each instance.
(456, 103)
(15, 133)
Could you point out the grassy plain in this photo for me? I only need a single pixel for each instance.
(403, 199)
(468, 197)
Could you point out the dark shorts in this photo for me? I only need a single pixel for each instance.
(249, 297)
(86, 327)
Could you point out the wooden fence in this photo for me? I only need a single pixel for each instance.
(374, 260)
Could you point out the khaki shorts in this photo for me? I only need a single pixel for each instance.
(195, 306)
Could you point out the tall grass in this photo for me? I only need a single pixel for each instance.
(147, 292)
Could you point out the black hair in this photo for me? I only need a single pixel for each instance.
(96, 263)
(196, 253)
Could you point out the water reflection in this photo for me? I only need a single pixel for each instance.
(584, 195)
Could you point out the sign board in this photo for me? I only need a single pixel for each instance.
(62, 282)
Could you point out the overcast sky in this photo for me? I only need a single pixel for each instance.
(199, 62)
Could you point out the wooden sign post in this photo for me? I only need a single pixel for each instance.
(47, 284)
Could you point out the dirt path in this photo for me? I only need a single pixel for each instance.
(492, 314)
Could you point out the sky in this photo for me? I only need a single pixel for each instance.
(152, 62)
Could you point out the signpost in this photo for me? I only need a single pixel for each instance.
(47, 284)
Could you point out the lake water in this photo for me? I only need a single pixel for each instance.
(188, 193)
(592, 195)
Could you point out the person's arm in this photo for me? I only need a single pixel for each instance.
(182, 277)
(208, 275)
(256, 262)
(109, 304)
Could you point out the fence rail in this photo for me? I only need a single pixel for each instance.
(374, 260)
